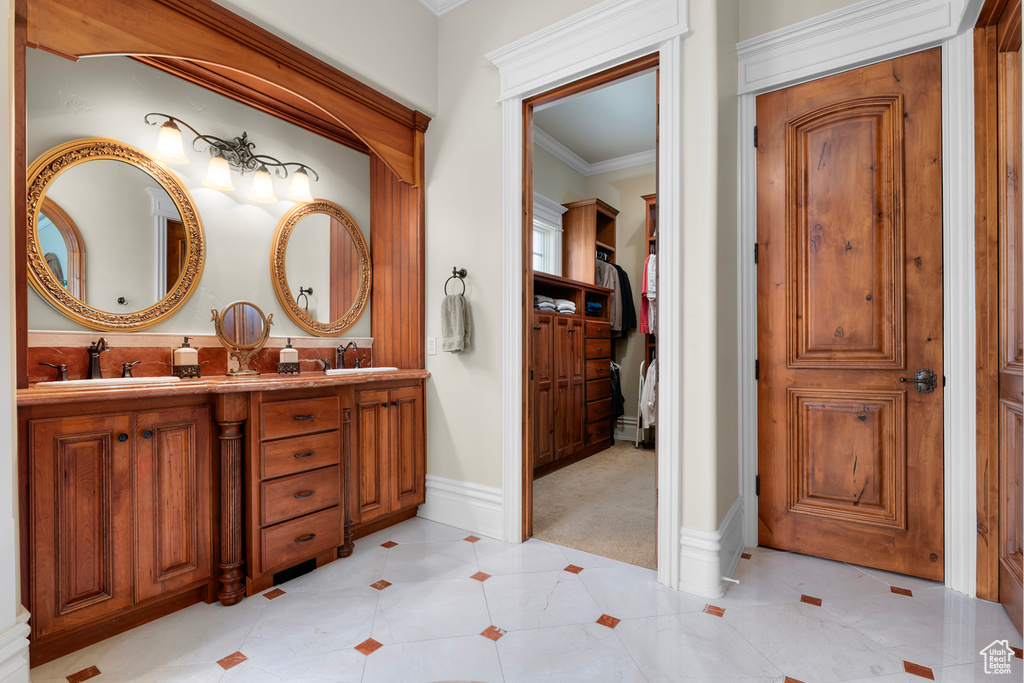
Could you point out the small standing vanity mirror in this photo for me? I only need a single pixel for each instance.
(243, 330)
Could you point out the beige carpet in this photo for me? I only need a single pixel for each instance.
(603, 505)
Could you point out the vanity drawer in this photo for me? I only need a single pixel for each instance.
(599, 348)
(598, 389)
(598, 369)
(299, 454)
(599, 410)
(598, 431)
(299, 494)
(595, 330)
(299, 539)
(302, 416)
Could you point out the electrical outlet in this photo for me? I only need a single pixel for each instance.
(431, 346)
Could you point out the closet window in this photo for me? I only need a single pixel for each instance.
(547, 235)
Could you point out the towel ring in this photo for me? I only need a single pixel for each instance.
(457, 274)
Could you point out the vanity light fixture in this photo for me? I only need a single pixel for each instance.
(228, 154)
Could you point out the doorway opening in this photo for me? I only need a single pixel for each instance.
(589, 331)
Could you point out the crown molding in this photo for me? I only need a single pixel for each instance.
(575, 162)
(548, 210)
(442, 7)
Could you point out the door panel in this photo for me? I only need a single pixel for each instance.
(370, 459)
(406, 421)
(562, 386)
(543, 375)
(849, 301)
(577, 387)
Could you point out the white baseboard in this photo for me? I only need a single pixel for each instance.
(14, 651)
(707, 556)
(461, 504)
(625, 429)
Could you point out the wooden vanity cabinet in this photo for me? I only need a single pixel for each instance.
(119, 506)
(387, 465)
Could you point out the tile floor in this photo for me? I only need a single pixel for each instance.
(440, 605)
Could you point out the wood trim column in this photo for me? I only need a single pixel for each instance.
(349, 490)
(231, 413)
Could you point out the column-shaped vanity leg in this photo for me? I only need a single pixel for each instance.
(347, 486)
(232, 410)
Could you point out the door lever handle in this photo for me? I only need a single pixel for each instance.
(924, 380)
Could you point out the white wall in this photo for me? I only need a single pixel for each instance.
(761, 16)
(109, 96)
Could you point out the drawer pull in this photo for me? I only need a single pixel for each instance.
(384, 404)
(305, 455)
(122, 437)
(148, 434)
(304, 417)
(394, 403)
(305, 539)
(305, 494)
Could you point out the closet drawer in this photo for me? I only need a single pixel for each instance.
(599, 410)
(302, 416)
(599, 431)
(299, 494)
(598, 389)
(299, 454)
(598, 369)
(599, 348)
(594, 330)
(300, 538)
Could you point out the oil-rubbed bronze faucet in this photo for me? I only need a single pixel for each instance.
(341, 352)
(99, 346)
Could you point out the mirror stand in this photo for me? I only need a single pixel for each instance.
(243, 330)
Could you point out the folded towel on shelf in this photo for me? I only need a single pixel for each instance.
(594, 309)
(567, 309)
(456, 324)
(564, 302)
(541, 299)
(546, 307)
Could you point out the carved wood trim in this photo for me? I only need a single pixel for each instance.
(231, 414)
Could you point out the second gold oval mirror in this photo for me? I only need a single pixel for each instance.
(320, 267)
(145, 242)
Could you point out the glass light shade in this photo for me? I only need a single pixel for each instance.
(168, 146)
(262, 190)
(298, 191)
(218, 175)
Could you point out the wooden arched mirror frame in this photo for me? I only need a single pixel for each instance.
(350, 269)
(74, 267)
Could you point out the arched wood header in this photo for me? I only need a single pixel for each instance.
(205, 43)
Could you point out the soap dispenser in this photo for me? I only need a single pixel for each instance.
(186, 361)
(288, 360)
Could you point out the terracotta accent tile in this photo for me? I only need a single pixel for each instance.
(493, 632)
(918, 670)
(714, 610)
(901, 591)
(609, 621)
(1017, 652)
(389, 545)
(368, 647)
(573, 569)
(380, 585)
(481, 576)
(792, 680)
(471, 539)
(83, 675)
(233, 659)
(745, 556)
(276, 593)
(810, 600)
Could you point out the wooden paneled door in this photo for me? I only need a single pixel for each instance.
(849, 176)
(542, 374)
(569, 386)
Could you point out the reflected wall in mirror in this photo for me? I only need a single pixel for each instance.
(243, 330)
(135, 219)
(319, 247)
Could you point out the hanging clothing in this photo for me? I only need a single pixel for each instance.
(648, 308)
(649, 396)
(626, 297)
(645, 321)
(605, 275)
(618, 400)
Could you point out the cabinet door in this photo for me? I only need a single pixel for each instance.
(561, 385)
(81, 560)
(370, 462)
(577, 387)
(543, 376)
(172, 499)
(405, 418)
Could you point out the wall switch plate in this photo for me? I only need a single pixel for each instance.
(431, 346)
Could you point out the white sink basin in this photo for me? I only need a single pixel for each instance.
(110, 382)
(349, 371)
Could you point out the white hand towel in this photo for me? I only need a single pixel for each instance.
(456, 324)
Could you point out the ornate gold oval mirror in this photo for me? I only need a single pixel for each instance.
(243, 330)
(145, 242)
(320, 267)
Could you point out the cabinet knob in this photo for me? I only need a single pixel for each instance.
(384, 404)
(305, 494)
(305, 539)
(148, 434)
(394, 403)
(122, 437)
(305, 455)
(304, 417)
